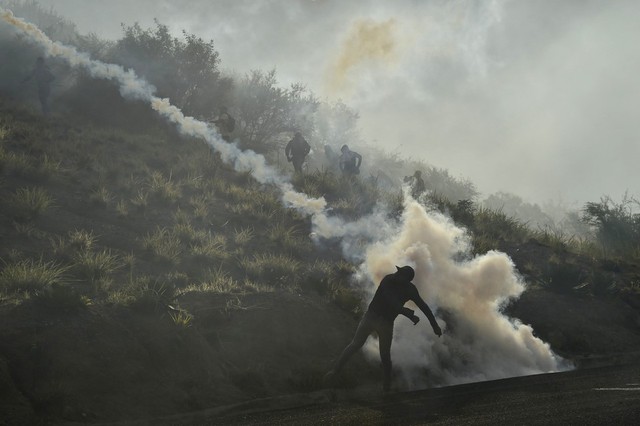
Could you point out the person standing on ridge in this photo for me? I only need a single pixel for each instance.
(388, 302)
(43, 77)
(225, 124)
(296, 151)
(350, 161)
(417, 184)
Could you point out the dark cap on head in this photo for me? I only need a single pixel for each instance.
(406, 272)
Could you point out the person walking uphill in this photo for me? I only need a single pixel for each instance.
(43, 77)
(393, 292)
(296, 151)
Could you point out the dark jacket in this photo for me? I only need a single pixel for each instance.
(392, 294)
(297, 147)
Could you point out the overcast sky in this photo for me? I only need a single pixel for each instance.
(537, 98)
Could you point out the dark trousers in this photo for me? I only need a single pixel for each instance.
(370, 323)
(297, 163)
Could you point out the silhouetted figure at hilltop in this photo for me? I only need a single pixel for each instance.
(350, 161)
(43, 77)
(225, 123)
(296, 151)
(393, 292)
(416, 183)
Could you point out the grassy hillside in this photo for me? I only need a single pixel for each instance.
(141, 276)
(138, 252)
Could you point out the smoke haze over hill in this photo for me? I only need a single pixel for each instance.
(487, 344)
(533, 98)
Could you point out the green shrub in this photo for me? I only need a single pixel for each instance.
(19, 165)
(31, 276)
(243, 236)
(164, 244)
(289, 238)
(148, 295)
(217, 281)
(81, 240)
(184, 232)
(122, 210)
(562, 276)
(276, 269)
(182, 319)
(497, 226)
(200, 207)
(617, 224)
(257, 287)
(29, 203)
(163, 188)
(101, 197)
(210, 247)
(140, 200)
(96, 266)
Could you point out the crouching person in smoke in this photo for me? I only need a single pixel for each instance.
(350, 161)
(393, 292)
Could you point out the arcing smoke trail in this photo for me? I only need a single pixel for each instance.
(135, 88)
(479, 342)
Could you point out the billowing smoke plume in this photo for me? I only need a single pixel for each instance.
(368, 41)
(479, 342)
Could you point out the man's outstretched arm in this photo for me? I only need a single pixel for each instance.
(427, 312)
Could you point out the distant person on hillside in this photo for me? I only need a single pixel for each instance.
(350, 161)
(43, 77)
(225, 123)
(416, 183)
(296, 151)
(393, 292)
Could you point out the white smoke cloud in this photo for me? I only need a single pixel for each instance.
(481, 343)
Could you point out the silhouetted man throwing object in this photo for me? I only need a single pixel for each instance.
(394, 291)
(296, 151)
(43, 77)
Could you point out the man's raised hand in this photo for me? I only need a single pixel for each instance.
(437, 330)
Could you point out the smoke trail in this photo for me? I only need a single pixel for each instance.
(134, 88)
(480, 342)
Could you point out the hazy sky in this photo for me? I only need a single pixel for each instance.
(538, 98)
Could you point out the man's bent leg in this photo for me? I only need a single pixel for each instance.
(362, 332)
(385, 337)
